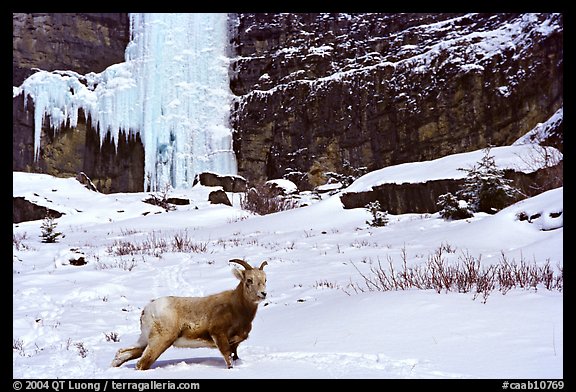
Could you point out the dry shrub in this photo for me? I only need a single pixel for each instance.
(155, 245)
(263, 199)
(467, 275)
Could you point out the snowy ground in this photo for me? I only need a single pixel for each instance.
(70, 320)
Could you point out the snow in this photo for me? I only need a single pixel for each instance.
(173, 90)
(67, 319)
(323, 50)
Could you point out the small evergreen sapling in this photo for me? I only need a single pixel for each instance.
(379, 217)
(485, 187)
(48, 230)
(452, 208)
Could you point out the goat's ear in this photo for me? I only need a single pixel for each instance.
(238, 273)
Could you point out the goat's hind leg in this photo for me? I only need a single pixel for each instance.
(126, 354)
(157, 344)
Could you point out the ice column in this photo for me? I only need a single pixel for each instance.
(173, 89)
(182, 61)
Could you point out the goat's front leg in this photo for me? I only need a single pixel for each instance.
(235, 342)
(223, 345)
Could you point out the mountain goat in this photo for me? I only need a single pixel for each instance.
(221, 320)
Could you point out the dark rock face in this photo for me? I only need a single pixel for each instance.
(318, 91)
(403, 198)
(87, 42)
(23, 135)
(114, 167)
(82, 43)
(24, 210)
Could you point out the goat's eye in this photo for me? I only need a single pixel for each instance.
(249, 281)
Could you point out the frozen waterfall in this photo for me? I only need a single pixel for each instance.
(173, 90)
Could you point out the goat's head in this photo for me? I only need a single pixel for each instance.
(252, 279)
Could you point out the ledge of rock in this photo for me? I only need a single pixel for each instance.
(24, 210)
(421, 197)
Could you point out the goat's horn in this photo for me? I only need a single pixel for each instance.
(263, 264)
(242, 263)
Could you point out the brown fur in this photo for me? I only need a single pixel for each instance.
(221, 320)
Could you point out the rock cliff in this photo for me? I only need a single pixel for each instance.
(322, 92)
(319, 93)
(87, 42)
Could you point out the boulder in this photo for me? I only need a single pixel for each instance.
(281, 187)
(229, 183)
(219, 197)
(178, 201)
